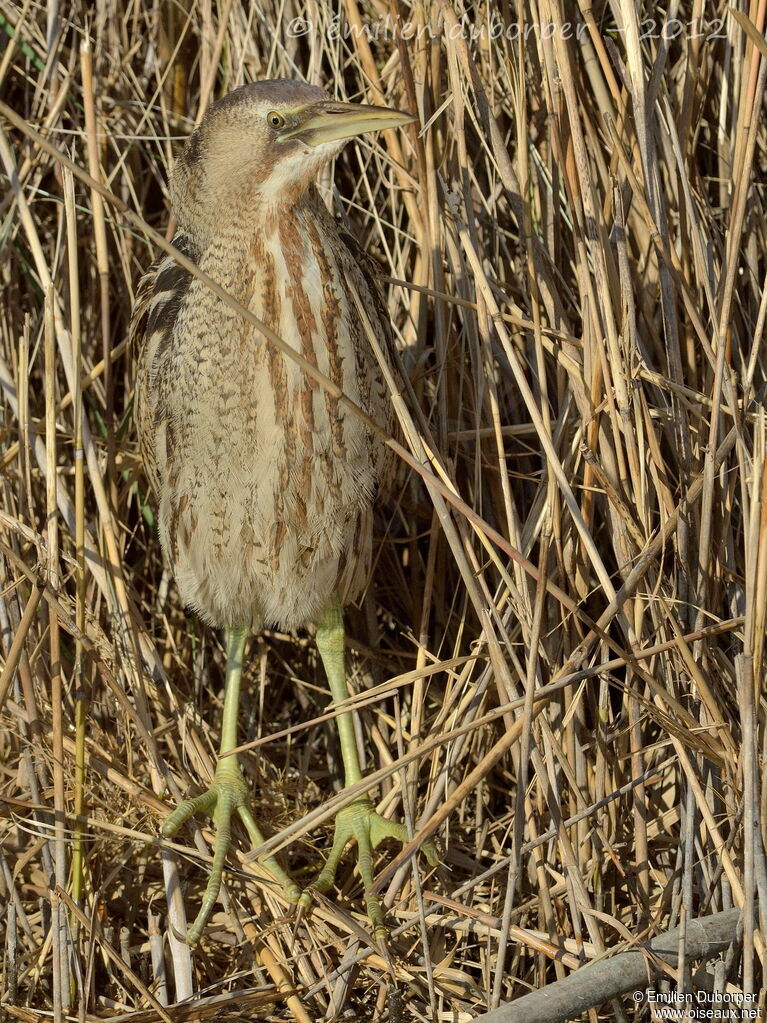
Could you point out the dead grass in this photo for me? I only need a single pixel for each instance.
(566, 622)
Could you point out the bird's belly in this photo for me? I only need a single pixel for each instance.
(245, 555)
(267, 493)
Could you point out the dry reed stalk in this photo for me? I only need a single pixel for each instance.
(558, 665)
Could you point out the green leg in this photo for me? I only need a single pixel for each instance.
(357, 822)
(227, 794)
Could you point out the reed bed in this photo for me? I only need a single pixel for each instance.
(558, 661)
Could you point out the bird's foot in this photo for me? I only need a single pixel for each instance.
(360, 823)
(227, 794)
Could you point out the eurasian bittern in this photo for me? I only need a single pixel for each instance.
(265, 481)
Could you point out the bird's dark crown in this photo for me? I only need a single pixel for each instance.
(274, 91)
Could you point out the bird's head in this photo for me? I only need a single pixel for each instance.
(264, 143)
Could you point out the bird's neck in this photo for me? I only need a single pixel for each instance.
(241, 210)
(262, 244)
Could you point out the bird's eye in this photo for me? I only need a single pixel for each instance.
(275, 120)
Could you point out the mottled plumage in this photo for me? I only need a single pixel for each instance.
(264, 484)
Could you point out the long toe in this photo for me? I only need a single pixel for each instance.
(186, 810)
(359, 823)
(222, 822)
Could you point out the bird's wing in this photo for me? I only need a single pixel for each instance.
(373, 273)
(137, 337)
(158, 299)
